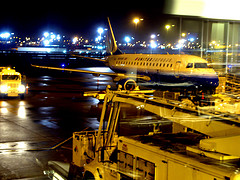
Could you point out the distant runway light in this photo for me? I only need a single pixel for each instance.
(46, 42)
(63, 65)
(53, 36)
(191, 39)
(58, 37)
(100, 47)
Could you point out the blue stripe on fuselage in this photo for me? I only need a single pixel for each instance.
(197, 81)
(205, 82)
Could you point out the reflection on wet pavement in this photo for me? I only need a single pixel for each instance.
(53, 109)
(93, 123)
(50, 113)
(22, 112)
(13, 147)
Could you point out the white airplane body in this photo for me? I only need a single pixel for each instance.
(156, 69)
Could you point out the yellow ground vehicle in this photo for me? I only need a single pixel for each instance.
(11, 83)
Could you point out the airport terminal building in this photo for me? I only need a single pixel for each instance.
(212, 29)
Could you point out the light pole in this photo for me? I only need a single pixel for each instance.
(167, 27)
(136, 22)
(100, 31)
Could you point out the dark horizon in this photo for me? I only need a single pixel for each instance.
(77, 18)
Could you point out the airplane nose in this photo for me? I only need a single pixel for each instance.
(207, 81)
(214, 81)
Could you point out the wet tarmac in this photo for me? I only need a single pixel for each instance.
(53, 109)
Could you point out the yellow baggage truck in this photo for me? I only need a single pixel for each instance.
(11, 83)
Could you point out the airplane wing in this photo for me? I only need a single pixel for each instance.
(116, 76)
(85, 57)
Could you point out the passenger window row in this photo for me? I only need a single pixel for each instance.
(145, 64)
(154, 59)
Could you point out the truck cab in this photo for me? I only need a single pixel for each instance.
(11, 83)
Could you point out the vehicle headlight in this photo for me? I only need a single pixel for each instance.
(3, 88)
(21, 88)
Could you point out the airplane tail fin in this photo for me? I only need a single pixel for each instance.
(111, 42)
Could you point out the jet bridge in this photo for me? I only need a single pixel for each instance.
(94, 147)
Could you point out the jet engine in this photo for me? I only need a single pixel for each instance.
(128, 84)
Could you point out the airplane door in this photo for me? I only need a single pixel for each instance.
(177, 68)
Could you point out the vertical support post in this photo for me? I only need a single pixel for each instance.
(227, 44)
(233, 44)
(101, 122)
(110, 117)
(207, 38)
(202, 34)
(180, 31)
(113, 122)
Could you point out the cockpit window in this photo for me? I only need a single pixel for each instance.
(200, 65)
(189, 65)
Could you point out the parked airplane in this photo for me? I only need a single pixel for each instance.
(158, 70)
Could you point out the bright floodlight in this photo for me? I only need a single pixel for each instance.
(46, 42)
(153, 36)
(46, 34)
(136, 20)
(5, 35)
(100, 30)
(191, 39)
(179, 46)
(153, 44)
(167, 27)
(53, 36)
(127, 39)
(75, 39)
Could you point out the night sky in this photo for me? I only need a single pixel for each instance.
(78, 17)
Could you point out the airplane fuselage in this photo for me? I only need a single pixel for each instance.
(167, 70)
(159, 70)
